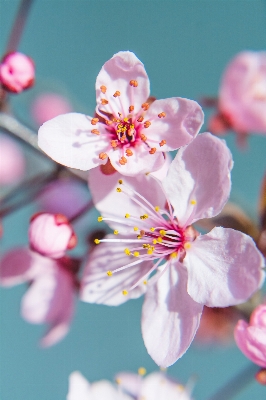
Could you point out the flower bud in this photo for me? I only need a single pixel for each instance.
(51, 235)
(17, 72)
(12, 162)
(49, 105)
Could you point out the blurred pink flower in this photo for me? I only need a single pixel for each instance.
(251, 338)
(49, 105)
(242, 96)
(155, 386)
(12, 162)
(51, 235)
(17, 72)
(53, 282)
(218, 269)
(128, 130)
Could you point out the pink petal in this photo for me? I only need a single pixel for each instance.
(224, 268)
(104, 390)
(258, 316)
(68, 140)
(252, 342)
(170, 318)
(130, 383)
(12, 162)
(16, 267)
(110, 203)
(141, 162)
(79, 387)
(158, 386)
(97, 287)
(115, 75)
(200, 173)
(179, 127)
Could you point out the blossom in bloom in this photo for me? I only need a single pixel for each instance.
(155, 386)
(242, 95)
(153, 233)
(127, 130)
(50, 297)
(49, 105)
(251, 338)
(17, 72)
(12, 162)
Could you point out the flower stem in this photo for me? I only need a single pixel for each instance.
(236, 384)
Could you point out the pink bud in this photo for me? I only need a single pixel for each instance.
(17, 72)
(51, 235)
(48, 106)
(258, 317)
(12, 163)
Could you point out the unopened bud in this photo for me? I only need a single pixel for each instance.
(17, 72)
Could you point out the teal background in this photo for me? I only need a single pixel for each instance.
(185, 46)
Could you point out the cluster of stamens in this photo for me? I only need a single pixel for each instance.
(125, 131)
(157, 236)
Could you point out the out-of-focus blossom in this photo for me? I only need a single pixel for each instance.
(127, 130)
(219, 269)
(155, 386)
(17, 72)
(53, 281)
(51, 235)
(49, 105)
(12, 162)
(251, 338)
(242, 96)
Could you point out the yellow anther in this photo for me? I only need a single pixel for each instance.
(153, 248)
(187, 245)
(96, 241)
(129, 152)
(147, 124)
(145, 282)
(120, 181)
(103, 89)
(193, 202)
(116, 232)
(127, 252)
(162, 143)
(126, 119)
(127, 215)
(162, 232)
(131, 108)
(118, 381)
(140, 119)
(159, 239)
(100, 219)
(133, 83)
(117, 93)
(152, 229)
(157, 208)
(136, 254)
(119, 190)
(113, 143)
(95, 132)
(174, 255)
(145, 106)
(109, 273)
(145, 246)
(136, 228)
(142, 371)
(150, 251)
(144, 216)
(103, 156)
(104, 102)
(124, 292)
(139, 237)
(162, 115)
(94, 121)
(154, 241)
(152, 150)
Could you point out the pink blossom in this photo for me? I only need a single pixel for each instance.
(17, 72)
(128, 130)
(12, 162)
(155, 386)
(242, 95)
(219, 269)
(50, 297)
(49, 105)
(251, 338)
(51, 235)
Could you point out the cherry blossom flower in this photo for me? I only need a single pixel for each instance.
(219, 269)
(251, 338)
(127, 130)
(155, 386)
(242, 96)
(17, 72)
(12, 162)
(50, 297)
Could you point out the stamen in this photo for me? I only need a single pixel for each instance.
(114, 143)
(162, 115)
(133, 83)
(116, 232)
(193, 202)
(142, 371)
(136, 228)
(162, 143)
(129, 152)
(120, 181)
(157, 208)
(143, 137)
(136, 254)
(127, 252)
(152, 150)
(109, 273)
(108, 122)
(162, 232)
(116, 94)
(152, 229)
(125, 292)
(103, 156)
(144, 216)
(145, 106)
(131, 108)
(94, 121)
(104, 102)
(127, 215)
(140, 119)
(123, 160)
(103, 89)
(100, 219)
(95, 132)
(187, 246)
(147, 124)
(96, 241)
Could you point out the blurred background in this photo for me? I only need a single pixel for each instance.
(185, 46)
